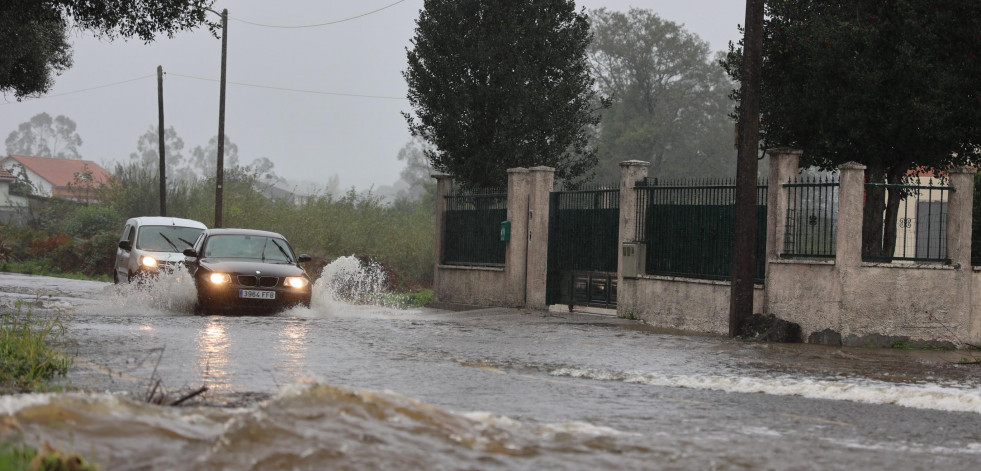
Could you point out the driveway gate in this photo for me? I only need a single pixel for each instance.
(583, 240)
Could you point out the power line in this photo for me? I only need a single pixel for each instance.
(295, 90)
(318, 24)
(113, 84)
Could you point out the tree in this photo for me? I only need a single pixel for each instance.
(205, 160)
(35, 39)
(502, 84)
(43, 136)
(417, 173)
(670, 102)
(892, 85)
(148, 153)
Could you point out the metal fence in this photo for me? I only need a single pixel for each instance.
(472, 225)
(917, 230)
(812, 218)
(688, 227)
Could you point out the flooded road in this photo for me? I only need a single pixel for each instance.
(341, 386)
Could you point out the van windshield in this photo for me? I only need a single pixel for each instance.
(166, 238)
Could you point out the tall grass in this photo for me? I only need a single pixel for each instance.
(28, 355)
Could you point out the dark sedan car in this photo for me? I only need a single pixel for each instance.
(246, 271)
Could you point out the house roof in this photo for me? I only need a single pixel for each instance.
(61, 172)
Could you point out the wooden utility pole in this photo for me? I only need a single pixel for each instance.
(220, 175)
(744, 245)
(160, 135)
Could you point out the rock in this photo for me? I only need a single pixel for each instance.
(825, 337)
(770, 328)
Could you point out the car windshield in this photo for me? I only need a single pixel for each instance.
(166, 238)
(253, 247)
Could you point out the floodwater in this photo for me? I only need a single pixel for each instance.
(344, 386)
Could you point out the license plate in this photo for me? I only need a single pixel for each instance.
(256, 294)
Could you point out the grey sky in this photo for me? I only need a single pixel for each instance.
(309, 136)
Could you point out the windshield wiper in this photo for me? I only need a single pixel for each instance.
(172, 244)
(189, 244)
(281, 249)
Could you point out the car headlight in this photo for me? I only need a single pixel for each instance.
(148, 261)
(219, 278)
(296, 282)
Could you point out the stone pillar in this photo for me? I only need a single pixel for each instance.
(784, 165)
(960, 212)
(444, 186)
(851, 200)
(542, 180)
(516, 253)
(630, 172)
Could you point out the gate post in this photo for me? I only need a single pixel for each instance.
(784, 164)
(444, 186)
(542, 181)
(516, 253)
(630, 172)
(851, 201)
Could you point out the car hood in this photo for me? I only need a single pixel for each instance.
(165, 256)
(250, 267)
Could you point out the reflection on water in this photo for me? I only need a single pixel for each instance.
(212, 343)
(293, 346)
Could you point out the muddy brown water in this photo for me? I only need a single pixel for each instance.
(341, 386)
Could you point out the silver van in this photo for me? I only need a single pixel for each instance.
(153, 243)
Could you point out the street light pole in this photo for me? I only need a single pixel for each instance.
(220, 175)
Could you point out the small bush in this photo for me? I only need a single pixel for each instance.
(17, 457)
(91, 220)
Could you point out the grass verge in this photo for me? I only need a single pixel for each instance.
(28, 357)
(23, 457)
(39, 268)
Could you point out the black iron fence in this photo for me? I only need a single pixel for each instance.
(472, 227)
(688, 227)
(976, 223)
(914, 228)
(812, 218)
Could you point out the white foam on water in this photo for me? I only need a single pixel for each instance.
(173, 292)
(348, 280)
(919, 396)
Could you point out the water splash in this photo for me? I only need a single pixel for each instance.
(349, 280)
(168, 291)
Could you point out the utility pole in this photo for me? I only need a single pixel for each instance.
(744, 245)
(160, 135)
(220, 175)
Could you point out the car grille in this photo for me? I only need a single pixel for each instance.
(262, 281)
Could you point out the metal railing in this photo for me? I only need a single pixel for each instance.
(976, 225)
(916, 228)
(812, 218)
(472, 225)
(688, 227)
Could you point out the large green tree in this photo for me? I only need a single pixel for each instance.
(501, 84)
(34, 33)
(893, 85)
(44, 136)
(670, 97)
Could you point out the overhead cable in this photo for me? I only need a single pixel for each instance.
(295, 90)
(318, 24)
(113, 84)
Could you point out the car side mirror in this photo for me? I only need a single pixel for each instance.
(303, 258)
(189, 252)
(125, 245)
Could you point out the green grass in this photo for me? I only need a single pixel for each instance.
(28, 356)
(23, 457)
(34, 267)
(409, 300)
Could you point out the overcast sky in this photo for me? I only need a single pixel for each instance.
(351, 127)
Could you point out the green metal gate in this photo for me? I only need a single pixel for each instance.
(583, 240)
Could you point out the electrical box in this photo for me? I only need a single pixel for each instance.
(505, 231)
(634, 259)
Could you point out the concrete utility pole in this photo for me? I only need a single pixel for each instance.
(160, 135)
(744, 245)
(220, 175)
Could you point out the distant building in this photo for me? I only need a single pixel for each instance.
(70, 179)
(12, 207)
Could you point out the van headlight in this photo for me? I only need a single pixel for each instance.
(296, 282)
(219, 278)
(148, 261)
